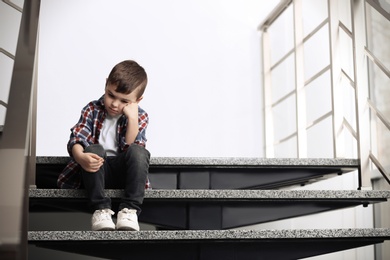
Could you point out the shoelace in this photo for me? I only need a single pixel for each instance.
(104, 214)
(126, 213)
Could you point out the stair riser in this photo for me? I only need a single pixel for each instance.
(205, 245)
(209, 214)
(219, 173)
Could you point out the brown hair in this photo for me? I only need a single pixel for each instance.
(128, 76)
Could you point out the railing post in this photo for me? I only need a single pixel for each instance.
(14, 146)
(31, 167)
(267, 77)
(335, 76)
(300, 95)
(362, 92)
(267, 96)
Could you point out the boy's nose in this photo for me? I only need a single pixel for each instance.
(114, 103)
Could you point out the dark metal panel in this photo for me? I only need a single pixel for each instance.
(264, 249)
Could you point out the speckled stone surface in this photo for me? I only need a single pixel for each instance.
(225, 194)
(208, 234)
(228, 161)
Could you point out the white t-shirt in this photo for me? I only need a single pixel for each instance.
(108, 138)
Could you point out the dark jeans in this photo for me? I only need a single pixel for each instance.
(128, 170)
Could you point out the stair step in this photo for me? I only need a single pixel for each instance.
(224, 194)
(225, 161)
(207, 244)
(220, 173)
(215, 209)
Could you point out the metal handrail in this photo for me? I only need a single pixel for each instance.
(345, 29)
(2, 103)
(379, 114)
(362, 133)
(13, 5)
(348, 126)
(378, 6)
(286, 96)
(15, 148)
(307, 37)
(285, 138)
(315, 30)
(377, 62)
(317, 75)
(276, 12)
(380, 167)
(6, 53)
(285, 56)
(345, 75)
(318, 120)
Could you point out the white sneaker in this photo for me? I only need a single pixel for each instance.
(102, 221)
(127, 220)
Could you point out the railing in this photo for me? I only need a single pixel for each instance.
(13, 5)
(8, 54)
(17, 136)
(352, 125)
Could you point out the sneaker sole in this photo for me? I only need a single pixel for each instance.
(127, 228)
(103, 228)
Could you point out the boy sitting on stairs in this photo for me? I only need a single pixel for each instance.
(107, 149)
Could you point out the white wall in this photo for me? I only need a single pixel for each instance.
(202, 57)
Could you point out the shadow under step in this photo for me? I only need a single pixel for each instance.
(214, 209)
(219, 173)
(207, 244)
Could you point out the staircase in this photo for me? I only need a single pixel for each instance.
(199, 208)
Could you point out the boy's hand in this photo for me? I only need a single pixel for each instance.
(90, 162)
(131, 110)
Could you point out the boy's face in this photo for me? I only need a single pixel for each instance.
(115, 101)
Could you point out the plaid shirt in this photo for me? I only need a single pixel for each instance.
(87, 132)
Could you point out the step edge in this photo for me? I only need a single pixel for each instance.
(353, 233)
(223, 194)
(227, 161)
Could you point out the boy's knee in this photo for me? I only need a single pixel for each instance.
(138, 152)
(96, 149)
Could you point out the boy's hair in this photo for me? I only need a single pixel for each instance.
(128, 76)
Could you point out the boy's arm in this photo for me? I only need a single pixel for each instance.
(81, 133)
(90, 162)
(131, 112)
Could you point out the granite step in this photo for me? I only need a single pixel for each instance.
(215, 209)
(208, 244)
(220, 173)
